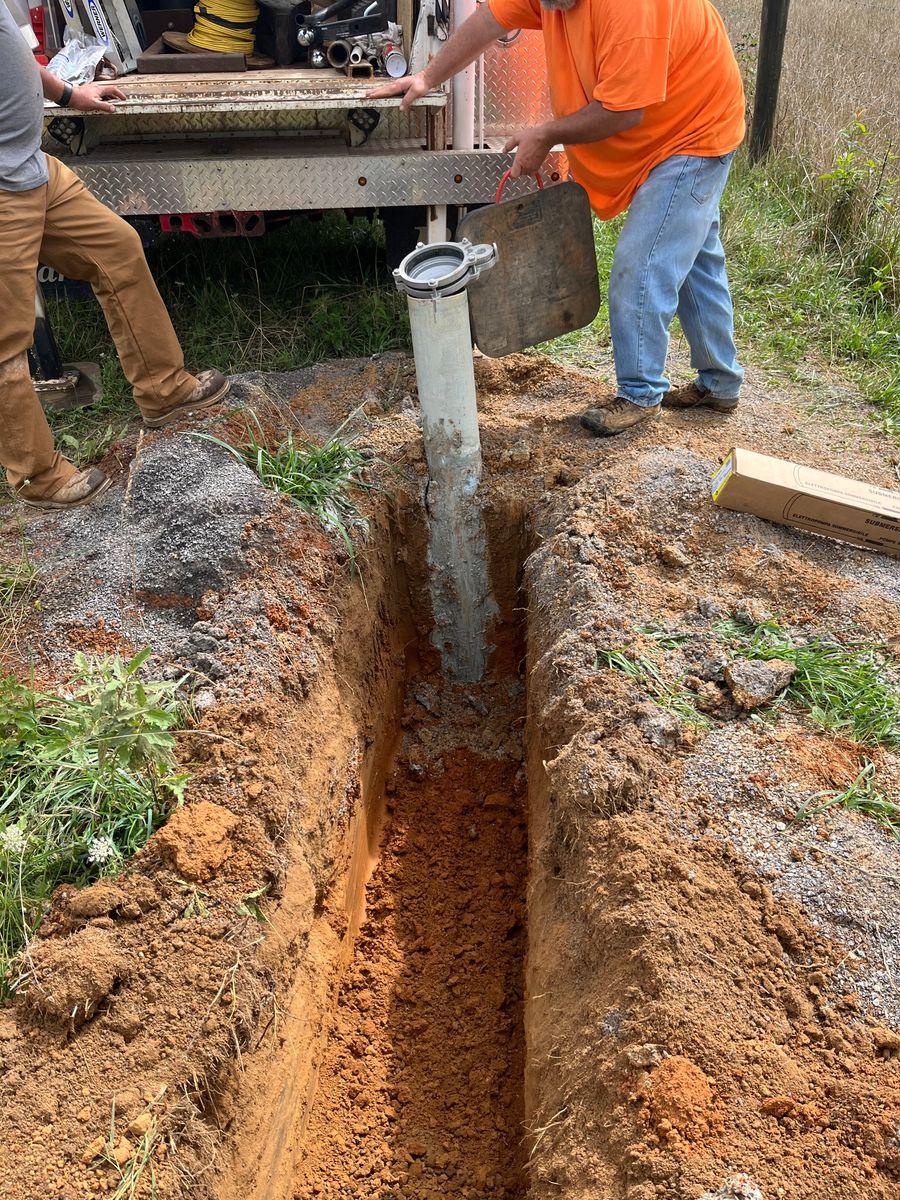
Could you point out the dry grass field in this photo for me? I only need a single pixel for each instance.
(841, 60)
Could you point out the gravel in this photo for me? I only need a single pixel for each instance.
(140, 558)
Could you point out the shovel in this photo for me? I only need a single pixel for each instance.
(545, 282)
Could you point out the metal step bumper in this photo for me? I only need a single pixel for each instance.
(138, 179)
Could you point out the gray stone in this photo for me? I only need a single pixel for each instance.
(754, 684)
(659, 727)
(675, 556)
(739, 1188)
(711, 609)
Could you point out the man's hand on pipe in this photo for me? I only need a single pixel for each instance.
(531, 146)
(410, 87)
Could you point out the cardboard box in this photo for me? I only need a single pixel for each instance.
(809, 499)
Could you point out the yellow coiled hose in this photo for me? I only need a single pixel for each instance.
(225, 25)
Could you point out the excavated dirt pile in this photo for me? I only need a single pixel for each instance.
(559, 934)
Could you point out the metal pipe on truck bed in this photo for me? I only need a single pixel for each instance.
(464, 88)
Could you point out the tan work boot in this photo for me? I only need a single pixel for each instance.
(82, 488)
(694, 396)
(617, 416)
(212, 386)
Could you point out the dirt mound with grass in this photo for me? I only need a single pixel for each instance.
(731, 964)
(622, 919)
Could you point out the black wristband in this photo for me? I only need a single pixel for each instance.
(66, 96)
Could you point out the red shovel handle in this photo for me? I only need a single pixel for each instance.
(505, 180)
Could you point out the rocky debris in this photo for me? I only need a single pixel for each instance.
(517, 456)
(711, 609)
(754, 684)
(739, 1188)
(188, 502)
(69, 979)
(675, 556)
(138, 561)
(659, 727)
(752, 611)
(646, 1056)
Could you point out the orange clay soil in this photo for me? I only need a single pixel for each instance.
(687, 1020)
(420, 1091)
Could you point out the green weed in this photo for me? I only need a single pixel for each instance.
(863, 795)
(842, 686)
(85, 778)
(648, 676)
(320, 478)
(88, 445)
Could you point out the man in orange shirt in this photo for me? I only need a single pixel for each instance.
(649, 105)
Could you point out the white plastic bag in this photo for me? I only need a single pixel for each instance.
(77, 61)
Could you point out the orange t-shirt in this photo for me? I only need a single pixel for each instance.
(671, 58)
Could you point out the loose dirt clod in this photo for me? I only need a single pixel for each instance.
(67, 981)
(196, 840)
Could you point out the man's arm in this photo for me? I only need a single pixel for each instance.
(593, 123)
(469, 42)
(87, 97)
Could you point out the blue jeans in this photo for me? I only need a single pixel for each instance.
(669, 259)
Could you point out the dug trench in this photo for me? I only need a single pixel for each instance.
(412, 1082)
(556, 934)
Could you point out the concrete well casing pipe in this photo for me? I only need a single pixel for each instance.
(459, 582)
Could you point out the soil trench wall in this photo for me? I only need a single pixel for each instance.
(265, 1105)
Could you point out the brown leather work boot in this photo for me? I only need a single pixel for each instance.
(617, 416)
(82, 488)
(694, 396)
(212, 386)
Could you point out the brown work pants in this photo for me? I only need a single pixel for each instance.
(63, 226)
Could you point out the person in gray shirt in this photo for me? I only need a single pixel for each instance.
(48, 216)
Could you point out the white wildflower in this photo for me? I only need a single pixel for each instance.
(101, 850)
(13, 840)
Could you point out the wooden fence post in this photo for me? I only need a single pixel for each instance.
(768, 75)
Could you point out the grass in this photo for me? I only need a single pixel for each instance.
(16, 581)
(843, 687)
(647, 675)
(85, 778)
(310, 290)
(319, 477)
(17, 591)
(837, 62)
(808, 291)
(132, 1182)
(863, 795)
